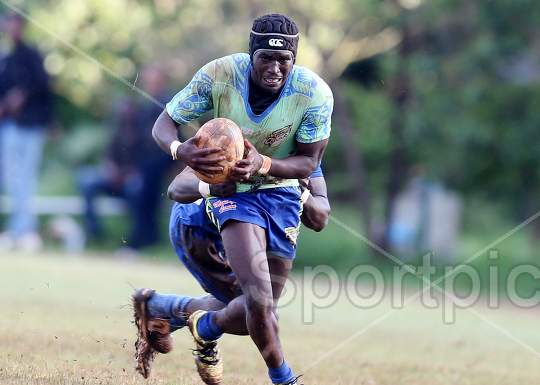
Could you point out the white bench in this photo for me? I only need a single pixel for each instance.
(68, 205)
(62, 208)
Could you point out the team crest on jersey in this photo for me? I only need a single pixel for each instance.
(292, 234)
(278, 136)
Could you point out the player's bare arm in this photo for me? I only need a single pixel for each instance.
(301, 165)
(165, 132)
(185, 188)
(317, 207)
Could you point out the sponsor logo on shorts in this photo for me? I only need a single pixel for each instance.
(278, 136)
(225, 205)
(276, 42)
(292, 234)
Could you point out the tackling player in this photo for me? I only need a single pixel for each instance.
(284, 112)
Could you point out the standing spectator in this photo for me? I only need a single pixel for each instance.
(134, 166)
(25, 112)
(153, 164)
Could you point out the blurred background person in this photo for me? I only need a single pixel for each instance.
(25, 113)
(154, 165)
(134, 167)
(117, 173)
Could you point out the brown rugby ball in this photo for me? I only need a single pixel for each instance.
(224, 133)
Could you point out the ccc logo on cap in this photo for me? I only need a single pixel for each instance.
(276, 42)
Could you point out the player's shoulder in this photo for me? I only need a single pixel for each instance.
(305, 81)
(237, 61)
(236, 58)
(228, 67)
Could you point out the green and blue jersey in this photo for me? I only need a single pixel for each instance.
(302, 112)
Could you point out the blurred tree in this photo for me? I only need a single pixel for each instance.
(474, 71)
(461, 89)
(451, 84)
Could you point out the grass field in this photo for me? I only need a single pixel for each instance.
(67, 320)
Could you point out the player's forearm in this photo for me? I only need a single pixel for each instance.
(301, 165)
(184, 190)
(316, 213)
(293, 167)
(165, 131)
(187, 188)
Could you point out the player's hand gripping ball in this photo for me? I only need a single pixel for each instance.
(224, 133)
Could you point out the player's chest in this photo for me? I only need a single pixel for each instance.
(268, 138)
(272, 130)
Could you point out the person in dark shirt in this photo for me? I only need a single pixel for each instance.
(153, 166)
(25, 112)
(133, 166)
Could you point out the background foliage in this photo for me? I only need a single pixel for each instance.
(451, 85)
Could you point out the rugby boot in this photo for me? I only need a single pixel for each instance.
(144, 355)
(207, 357)
(156, 331)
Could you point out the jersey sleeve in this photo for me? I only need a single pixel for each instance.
(317, 119)
(196, 98)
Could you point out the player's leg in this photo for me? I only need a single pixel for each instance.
(258, 302)
(202, 253)
(232, 318)
(246, 249)
(177, 308)
(250, 225)
(199, 252)
(279, 272)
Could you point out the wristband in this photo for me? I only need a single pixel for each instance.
(204, 189)
(305, 195)
(174, 148)
(267, 163)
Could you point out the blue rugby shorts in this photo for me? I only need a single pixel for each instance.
(277, 210)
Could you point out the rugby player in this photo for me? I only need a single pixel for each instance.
(284, 112)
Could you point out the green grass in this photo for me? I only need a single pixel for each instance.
(68, 321)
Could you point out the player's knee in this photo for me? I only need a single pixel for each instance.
(258, 300)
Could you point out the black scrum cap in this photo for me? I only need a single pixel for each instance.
(273, 31)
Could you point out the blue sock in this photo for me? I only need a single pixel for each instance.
(169, 306)
(281, 375)
(176, 324)
(207, 328)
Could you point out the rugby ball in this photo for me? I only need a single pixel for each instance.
(224, 133)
